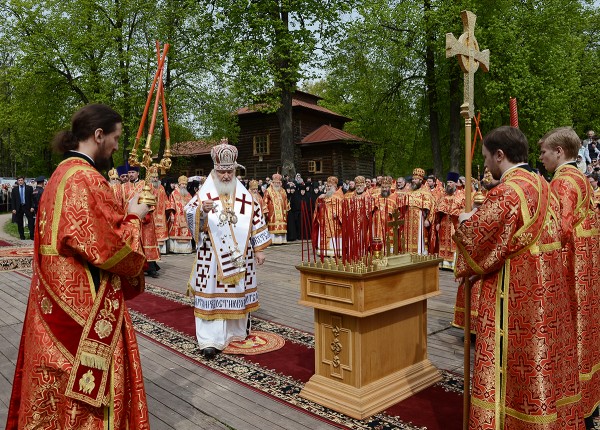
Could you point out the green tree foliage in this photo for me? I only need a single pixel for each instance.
(271, 45)
(543, 53)
(380, 62)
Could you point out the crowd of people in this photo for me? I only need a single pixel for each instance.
(530, 248)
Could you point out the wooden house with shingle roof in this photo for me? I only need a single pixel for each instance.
(323, 148)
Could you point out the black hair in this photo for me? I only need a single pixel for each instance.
(510, 140)
(84, 124)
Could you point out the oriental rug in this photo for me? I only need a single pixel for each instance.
(15, 258)
(257, 342)
(167, 317)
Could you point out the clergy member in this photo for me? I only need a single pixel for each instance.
(327, 222)
(449, 206)
(180, 236)
(384, 205)
(230, 234)
(525, 370)
(253, 188)
(78, 364)
(160, 211)
(418, 204)
(581, 253)
(278, 207)
(135, 186)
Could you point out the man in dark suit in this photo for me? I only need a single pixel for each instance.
(22, 204)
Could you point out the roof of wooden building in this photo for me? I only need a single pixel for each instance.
(326, 133)
(191, 148)
(300, 100)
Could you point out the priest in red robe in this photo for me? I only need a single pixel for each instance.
(78, 364)
(447, 209)
(525, 370)
(160, 211)
(278, 206)
(180, 236)
(581, 253)
(149, 241)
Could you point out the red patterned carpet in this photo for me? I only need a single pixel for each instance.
(167, 317)
(14, 258)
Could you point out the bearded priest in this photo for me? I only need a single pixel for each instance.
(231, 234)
(278, 207)
(78, 364)
(180, 237)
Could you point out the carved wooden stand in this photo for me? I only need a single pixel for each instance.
(370, 335)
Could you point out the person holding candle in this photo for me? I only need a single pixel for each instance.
(135, 186)
(78, 364)
(230, 234)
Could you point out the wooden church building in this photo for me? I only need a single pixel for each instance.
(322, 147)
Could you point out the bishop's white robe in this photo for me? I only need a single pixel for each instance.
(224, 276)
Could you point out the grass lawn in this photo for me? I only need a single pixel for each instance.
(12, 229)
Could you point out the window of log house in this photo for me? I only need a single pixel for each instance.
(315, 166)
(261, 145)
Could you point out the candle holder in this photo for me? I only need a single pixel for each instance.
(147, 196)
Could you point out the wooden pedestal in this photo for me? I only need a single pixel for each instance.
(370, 335)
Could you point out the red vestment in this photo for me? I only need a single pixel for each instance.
(384, 207)
(261, 203)
(525, 370)
(78, 364)
(178, 225)
(327, 225)
(582, 261)
(597, 200)
(160, 214)
(148, 231)
(448, 207)
(418, 206)
(277, 209)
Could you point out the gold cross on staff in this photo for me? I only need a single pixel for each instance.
(469, 58)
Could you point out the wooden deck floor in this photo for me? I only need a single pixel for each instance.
(182, 395)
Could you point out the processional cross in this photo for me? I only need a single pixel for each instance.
(470, 58)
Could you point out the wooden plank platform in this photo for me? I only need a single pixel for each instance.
(182, 395)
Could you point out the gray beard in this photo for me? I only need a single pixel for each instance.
(183, 191)
(415, 187)
(385, 193)
(227, 188)
(329, 193)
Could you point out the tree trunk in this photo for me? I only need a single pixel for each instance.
(286, 86)
(286, 137)
(455, 144)
(431, 88)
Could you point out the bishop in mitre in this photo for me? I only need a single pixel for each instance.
(230, 234)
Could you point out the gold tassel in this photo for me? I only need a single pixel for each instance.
(190, 291)
(233, 279)
(94, 361)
